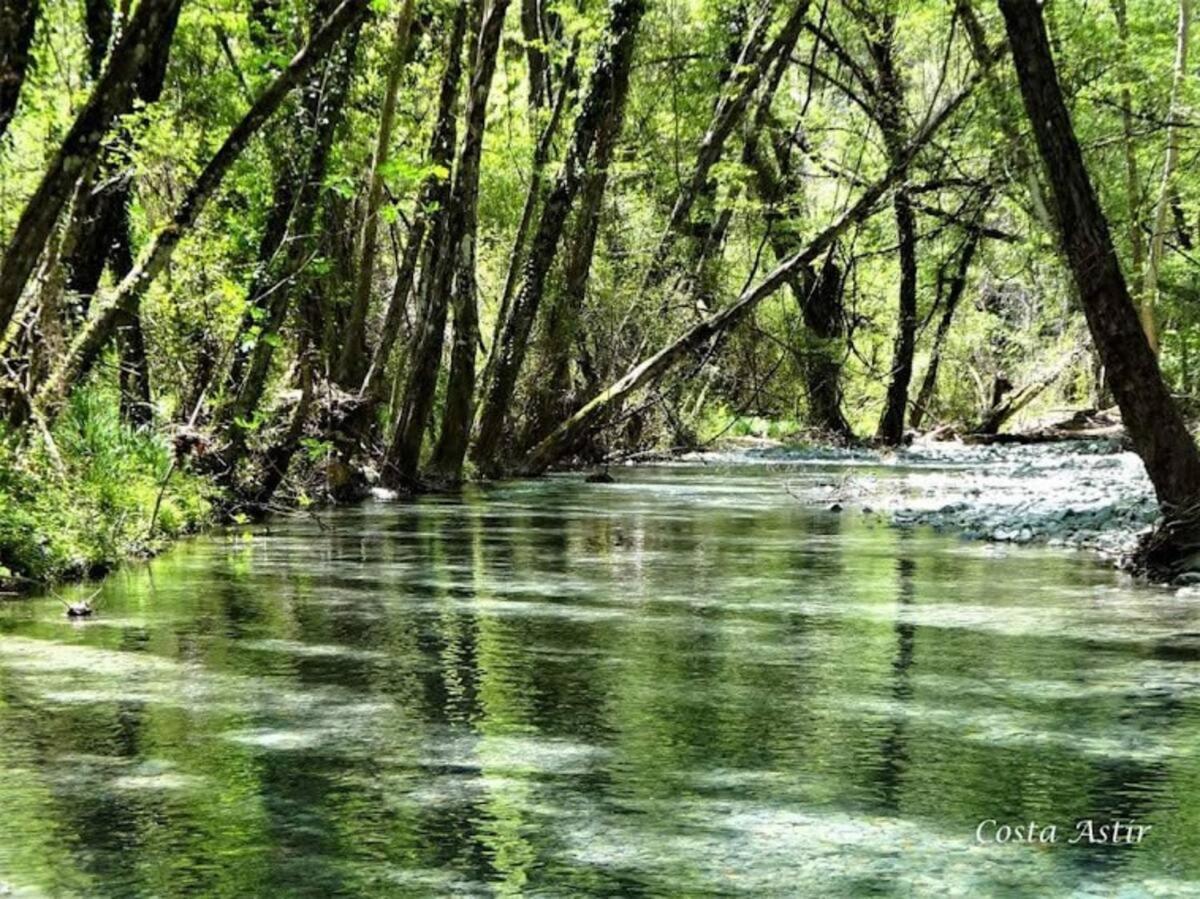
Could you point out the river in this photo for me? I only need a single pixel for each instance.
(684, 683)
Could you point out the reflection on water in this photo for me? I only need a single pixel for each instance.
(682, 683)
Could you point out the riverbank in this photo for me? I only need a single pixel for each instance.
(1090, 495)
(98, 495)
(103, 496)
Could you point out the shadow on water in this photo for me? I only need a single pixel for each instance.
(681, 683)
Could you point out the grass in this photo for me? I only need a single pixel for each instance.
(86, 516)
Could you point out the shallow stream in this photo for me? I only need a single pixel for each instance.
(684, 683)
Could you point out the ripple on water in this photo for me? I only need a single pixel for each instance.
(686, 684)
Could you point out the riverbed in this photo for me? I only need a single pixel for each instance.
(698, 680)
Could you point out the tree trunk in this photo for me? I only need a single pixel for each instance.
(137, 406)
(352, 365)
(611, 65)
(78, 151)
(278, 458)
(100, 221)
(1007, 402)
(440, 147)
(98, 20)
(372, 389)
(890, 116)
(539, 62)
(820, 295)
(592, 416)
(748, 73)
(437, 271)
(954, 293)
(128, 295)
(551, 390)
(455, 431)
(1133, 184)
(1158, 231)
(1155, 426)
(541, 155)
(297, 197)
(18, 18)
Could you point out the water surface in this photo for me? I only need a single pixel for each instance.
(684, 683)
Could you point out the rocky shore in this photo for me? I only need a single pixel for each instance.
(1084, 494)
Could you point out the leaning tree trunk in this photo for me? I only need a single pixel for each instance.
(1151, 417)
(98, 19)
(509, 351)
(441, 151)
(541, 155)
(101, 224)
(18, 19)
(437, 271)
(890, 116)
(455, 431)
(78, 151)
(954, 293)
(352, 365)
(550, 390)
(321, 113)
(593, 415)
(1007, 402)
(751, 67)
(127, 297)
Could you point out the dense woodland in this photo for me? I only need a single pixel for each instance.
(263, 253)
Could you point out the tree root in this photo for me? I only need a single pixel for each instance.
(1170, 552)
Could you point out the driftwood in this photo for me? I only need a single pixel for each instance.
(1086, 424)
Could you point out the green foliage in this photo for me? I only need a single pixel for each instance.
(96, 510)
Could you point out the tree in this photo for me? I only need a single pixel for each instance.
(1151, 417)
(352, 364)
(890, 114)
(78, 150)
(748, 72)
(287, 241)
(438, 258)
(18, 19)
(100, 226)
(127, 296)
(570, 433)
(458, 413)
(1158, 229)
(611, 65)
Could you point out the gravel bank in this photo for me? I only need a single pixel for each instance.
(1090, 495)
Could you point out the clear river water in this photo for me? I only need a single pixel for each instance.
(684, 683)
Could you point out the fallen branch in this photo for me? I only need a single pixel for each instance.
(1006, 408)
